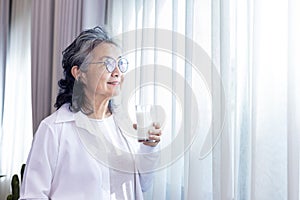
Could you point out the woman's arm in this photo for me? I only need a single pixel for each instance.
(40, 165)
(148, 158)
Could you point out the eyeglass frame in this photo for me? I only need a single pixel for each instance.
(115, 62)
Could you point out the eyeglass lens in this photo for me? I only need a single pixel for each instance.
(111, 64)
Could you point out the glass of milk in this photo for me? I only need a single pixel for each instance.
(144, 121)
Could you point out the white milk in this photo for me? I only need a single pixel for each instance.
(144, 121)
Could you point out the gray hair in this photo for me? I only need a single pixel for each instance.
(78, 54)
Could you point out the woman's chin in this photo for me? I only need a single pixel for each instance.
(114, 93)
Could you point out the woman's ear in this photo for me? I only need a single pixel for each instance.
(75, 71)
(78, 74)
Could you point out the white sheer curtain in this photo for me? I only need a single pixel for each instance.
(264, 97)
(16, 132)
(253, 46)
(179, 179)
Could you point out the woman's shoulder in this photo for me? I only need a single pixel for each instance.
(63, 114)
(54, 122)
(58, 117)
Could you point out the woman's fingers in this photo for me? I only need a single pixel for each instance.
(155, 132)
(154, 138)
(156, 125)
(154, 135)
(151, 143)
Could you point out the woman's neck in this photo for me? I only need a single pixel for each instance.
(100, 109)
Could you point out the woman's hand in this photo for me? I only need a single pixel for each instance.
(154, 135)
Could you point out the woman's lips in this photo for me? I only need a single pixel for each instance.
(114, 82)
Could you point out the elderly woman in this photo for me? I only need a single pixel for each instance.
(80, 152)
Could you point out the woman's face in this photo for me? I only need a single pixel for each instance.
(99, 83)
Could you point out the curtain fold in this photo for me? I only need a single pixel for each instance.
(67, 25)
(243, 106)
(270, 104)
(222, 161)
(93, 13)
(41, 59)
(188, 117)
(4, 36)
(293, 97)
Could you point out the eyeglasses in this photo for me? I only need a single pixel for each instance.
(110, 64)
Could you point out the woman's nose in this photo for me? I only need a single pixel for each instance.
(116, 72)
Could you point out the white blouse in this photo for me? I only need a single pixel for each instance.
(62, 166)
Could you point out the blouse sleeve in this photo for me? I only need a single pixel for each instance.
(147, 161)
(41, 164)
